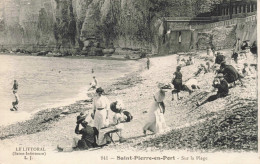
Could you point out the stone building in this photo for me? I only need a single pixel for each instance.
(186, 34)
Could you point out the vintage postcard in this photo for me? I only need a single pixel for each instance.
(129, 81)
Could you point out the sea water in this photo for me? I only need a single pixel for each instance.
(46, 82)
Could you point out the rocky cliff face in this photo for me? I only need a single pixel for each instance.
(76, 25)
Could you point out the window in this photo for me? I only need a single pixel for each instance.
(179, 37)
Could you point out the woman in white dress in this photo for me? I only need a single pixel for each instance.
(156, 122)
(101, 107)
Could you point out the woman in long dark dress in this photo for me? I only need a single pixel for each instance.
(177, 81)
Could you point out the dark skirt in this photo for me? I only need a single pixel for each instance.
(177, 84)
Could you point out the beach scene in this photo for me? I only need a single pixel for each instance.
(128, 81)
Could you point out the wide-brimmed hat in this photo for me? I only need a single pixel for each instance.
(164, 87)
(81, 118)
(99, 90)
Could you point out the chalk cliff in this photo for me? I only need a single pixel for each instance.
(79, 25)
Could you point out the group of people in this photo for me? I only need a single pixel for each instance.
(226, 77)
(99, 134)
(242, 49)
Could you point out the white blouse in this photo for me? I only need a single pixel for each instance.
(101, 102)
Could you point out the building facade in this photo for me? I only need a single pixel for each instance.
(185, 34)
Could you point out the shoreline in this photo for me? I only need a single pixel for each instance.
(105, 57)
(42, 119)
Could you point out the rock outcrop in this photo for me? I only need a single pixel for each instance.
(89, 26)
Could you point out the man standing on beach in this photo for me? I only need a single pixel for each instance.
(15, 103)
(15, 86)
(148, 63)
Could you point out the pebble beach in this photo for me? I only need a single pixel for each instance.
(226, 124)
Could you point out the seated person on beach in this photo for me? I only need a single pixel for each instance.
(93, 84)
(244, 45)
(201, 68)
(177, 81)
(210, 68)
(189, 61)
(230, 73)
(219, 58)
(253, 48)
(234, 56)
(190, 85)
(221, 84)
(88, 138)
(16, 102)
(246, 71)
(182, 62)
(120, 117)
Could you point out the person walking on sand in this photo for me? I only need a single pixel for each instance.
(178, 59)
(148, 63)
(92, 70)
(93, 84)
(155, 121)
(177, 81)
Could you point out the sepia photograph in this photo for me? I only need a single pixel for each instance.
(129, 81)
